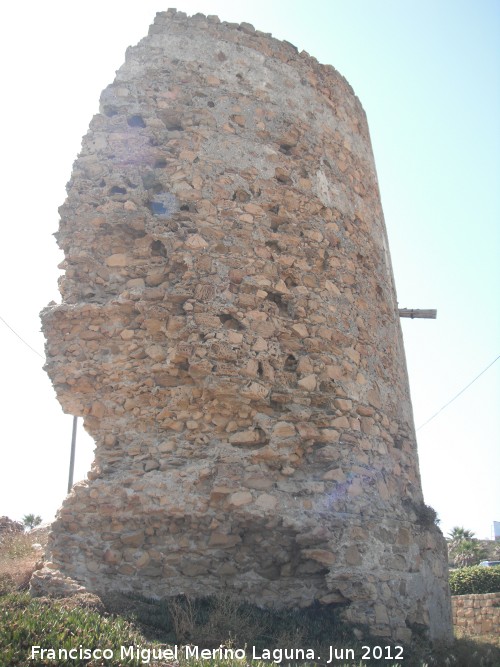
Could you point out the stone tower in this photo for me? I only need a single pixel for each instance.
(229, 332)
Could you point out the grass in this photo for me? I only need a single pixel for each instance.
(149, 629)
(18, 558)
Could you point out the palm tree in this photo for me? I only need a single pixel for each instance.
(30, 521)
(468, 552)
(459, 534)
(463, 548)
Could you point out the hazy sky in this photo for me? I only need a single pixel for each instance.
(428, 75)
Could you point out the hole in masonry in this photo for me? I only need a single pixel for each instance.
(132, 231)
(116, 190)
(398, 442)
(158, 249)
(278, 300)
(260, 369)
(211, 104)
(229, 322)
(286, 149)
(191, 208)
(173, 124)
(151, 182)
(282, 226)
(291, 363)
(282, 176)
(136, 121)
(275, 224)
(110, 111)
(241, 195)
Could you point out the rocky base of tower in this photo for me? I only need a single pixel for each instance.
(380, 573)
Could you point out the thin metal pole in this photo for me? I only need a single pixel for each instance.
(72, 457)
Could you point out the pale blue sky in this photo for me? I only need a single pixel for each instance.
(428, 75)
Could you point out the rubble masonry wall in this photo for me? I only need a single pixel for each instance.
(229, 332)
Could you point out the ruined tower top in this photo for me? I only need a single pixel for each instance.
(230, 334)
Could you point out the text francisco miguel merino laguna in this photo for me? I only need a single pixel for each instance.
(276, 655)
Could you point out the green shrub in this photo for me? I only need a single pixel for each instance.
(475, 579)
(27, 622)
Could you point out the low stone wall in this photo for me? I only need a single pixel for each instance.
(477, 614)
